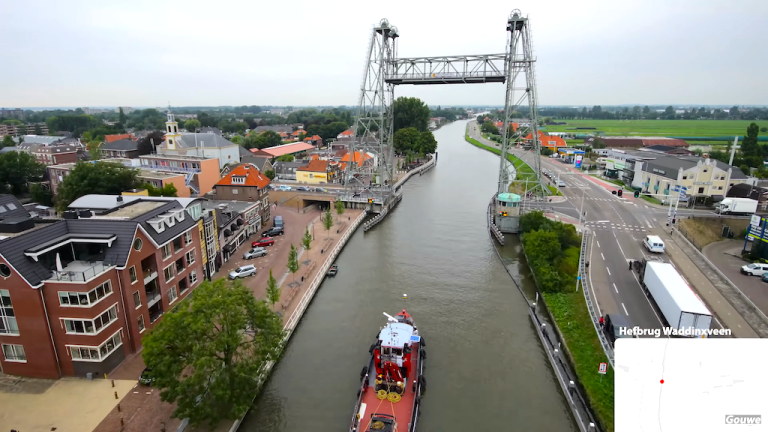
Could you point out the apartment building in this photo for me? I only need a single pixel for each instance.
(200, 172)
(78, 294)
(16, 130)
(54, 154)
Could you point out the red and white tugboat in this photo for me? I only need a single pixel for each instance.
(392, 383)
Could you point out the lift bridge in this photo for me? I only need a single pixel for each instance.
(370, 184)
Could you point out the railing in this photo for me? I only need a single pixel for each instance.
(587, 289)
(80, 275)
(426, 165)
(448, 75)
(170, 168)
(153, 297)
(149, 275)
(492, 226)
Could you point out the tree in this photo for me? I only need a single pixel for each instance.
(168, 190)
(122, 118)
(149, 143)
(192, 125)
(764, 129)
(273, 290)
(270, 174)
(7, 142)
(238, 139)
(327, 221)
(405, 140)
(306, 241)
(41, 195)
(340, 208)
(38, 130)
(266, 139)
(293, 262)
(426, 143)
(95, 178)
(17, 169)
(94, 150)
(489, 127)
(207, 352)
(410, 112)
(285, 158)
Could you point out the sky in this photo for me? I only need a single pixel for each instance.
(86, 53)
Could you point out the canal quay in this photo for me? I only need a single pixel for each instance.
(486, 368)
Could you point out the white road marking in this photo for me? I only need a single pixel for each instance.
(598, 244)
(609, 271)
(622, 250)
(625, 309)
(615, 289)
(601, 254)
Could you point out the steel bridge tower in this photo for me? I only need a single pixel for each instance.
(373, 181)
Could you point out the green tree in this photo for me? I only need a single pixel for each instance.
(17, 169)
(266, 139)
(238, 139)
(41, 195)
(293, 262)
(94, 150)
(306, 241)
(285, 158)
(764, 129)
(95, 178)
(192, 125)
(405, 140)
(273, 290)
(7, 142)
(38, 130)
(168, 190)
(426, 144)
(207, 352)
(122, 118)
(410, 112)
(270, 174)
(749, 145)
(327, 221)
(489, 127)
(339, 209)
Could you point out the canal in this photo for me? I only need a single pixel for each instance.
(486, 369)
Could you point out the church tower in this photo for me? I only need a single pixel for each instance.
(172, 133)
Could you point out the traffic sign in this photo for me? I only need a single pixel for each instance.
(603, 368)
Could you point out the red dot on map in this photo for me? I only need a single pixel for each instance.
(662, 381)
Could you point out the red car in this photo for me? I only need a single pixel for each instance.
(266, 241)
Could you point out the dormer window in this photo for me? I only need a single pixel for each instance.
(238, 179)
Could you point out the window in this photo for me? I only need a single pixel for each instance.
(238, 179)
(177, 244)
(192, 277)
(179, 265)
(172, 294)
(719, 188)
(234, 191)
(705, 170)
(183, 285)
(141, 324)
(701, 190)
(190, 257)
(685, 177)
(79, 326)
(137, 244)
(67, 298)
(7, 316)
(132, 272)
(137, 299)
(168, 272)
(166, 251)
(5, 271)
(99, 353)
(188, 237)
(14, 353)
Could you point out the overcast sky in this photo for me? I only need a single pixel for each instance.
(236, 52)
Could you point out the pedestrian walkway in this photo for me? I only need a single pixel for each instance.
(610, 226)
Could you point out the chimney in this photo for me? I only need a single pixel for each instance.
(119, 198)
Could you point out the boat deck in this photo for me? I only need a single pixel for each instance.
(403, 409)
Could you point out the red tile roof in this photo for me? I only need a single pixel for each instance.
(287, 149)
(260, 153)
(541, 136)
(347, 132)
(253, 177)
(111, 138)
(500, 124)
(359, 158)
(315, 165)
(552, 141)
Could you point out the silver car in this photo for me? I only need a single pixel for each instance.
(243, 271)
(255, 253)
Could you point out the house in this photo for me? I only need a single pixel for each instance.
(246, 183)
(287, 129)
(260, 162)
(207, 145)
(346, 133)
(79, 294)
(121, 148)
(668, 150)
(200, 172)
(359, 159)
(295, 149)
(212, 130)
(286, 170)
(54, 154)
(112, 138)
(745, 190)
(315, 140)
(318, 172)
(552, 142)
(236, 221)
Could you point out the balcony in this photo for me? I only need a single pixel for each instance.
(79, 271)
(150, 274)
(155, 312)
(153, 297)
(174, 169)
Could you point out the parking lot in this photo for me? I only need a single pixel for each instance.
(725, 255)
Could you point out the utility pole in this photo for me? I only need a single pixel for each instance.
(733, 150)
(581, 212)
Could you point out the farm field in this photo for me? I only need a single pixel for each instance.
(702, 128)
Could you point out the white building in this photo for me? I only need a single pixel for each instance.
(207, 145)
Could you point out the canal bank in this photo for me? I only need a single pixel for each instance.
(488, 369)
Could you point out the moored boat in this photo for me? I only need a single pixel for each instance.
(393, 382)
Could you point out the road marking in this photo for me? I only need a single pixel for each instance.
(622, 250)
(609, 271)
(603, 221)
(625, 309)
(615, 289)
(598, 244)
(601, 254)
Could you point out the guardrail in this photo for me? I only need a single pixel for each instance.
(295, 317)
(587, 289)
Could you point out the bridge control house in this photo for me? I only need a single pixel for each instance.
(78, 294)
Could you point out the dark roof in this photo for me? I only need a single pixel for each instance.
(278, 129)
(743, 190)
(10, 207)
(187, 140)
(244, 152)
(671, 164)
(123, 144)
(209, 129)
(284, 167)
(169, 233)
(258, 162)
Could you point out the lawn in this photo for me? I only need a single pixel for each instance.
(524, 171)
(687, 128)
(570, 312)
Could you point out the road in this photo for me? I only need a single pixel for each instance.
(725, 255)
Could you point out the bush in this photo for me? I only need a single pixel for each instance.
(552, 249)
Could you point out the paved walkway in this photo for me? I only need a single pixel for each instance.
(68, 404)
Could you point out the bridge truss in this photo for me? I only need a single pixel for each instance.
(384, 70)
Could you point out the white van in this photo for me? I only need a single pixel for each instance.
(653, 243)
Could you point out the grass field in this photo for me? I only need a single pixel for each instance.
(524, 172)
(701, 128)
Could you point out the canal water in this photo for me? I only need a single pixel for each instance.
(486, 369)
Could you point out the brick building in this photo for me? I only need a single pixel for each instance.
(246, 183)
(78, 294)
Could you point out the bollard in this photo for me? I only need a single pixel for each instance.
(113, 383)
(115, 395)
(591, 427)
(571, 387)
(105, 376)
(118, 408)
(321, 251)
(121, 422)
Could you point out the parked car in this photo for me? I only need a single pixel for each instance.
(146, 377)
(284, 188)
(321, 190)
(274, 231)
(278, 221)
(303, 189)
(271, 186)
(754, 269)
(255, 253)
(266, 241)
(242, 271)
(764, 277)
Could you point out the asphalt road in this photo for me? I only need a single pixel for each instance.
(722, 255)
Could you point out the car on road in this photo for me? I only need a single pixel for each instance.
(264, 242)
(304, 189)
(242, 271)
(283, 188)
(754, 269)
(764, 277)
(274, 231)
(321, 190)
(653, 243)
(255, 253)
(560, 183)
(146, 377)
(271, 186)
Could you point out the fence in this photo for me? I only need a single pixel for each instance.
(586, 287)
(688, 237)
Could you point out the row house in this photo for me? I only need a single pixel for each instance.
(122, 148)
(78, 294)
(319, 172)
(246, 183)
(232, 224)
(157, 178)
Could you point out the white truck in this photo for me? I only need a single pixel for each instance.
(736, 206)
(681, 307)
